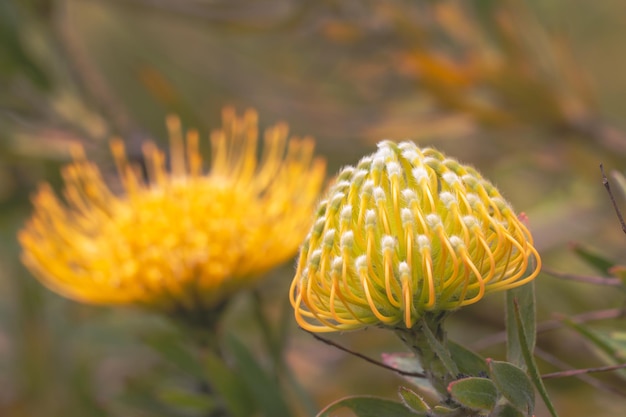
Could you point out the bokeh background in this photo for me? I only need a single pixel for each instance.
(532, 93)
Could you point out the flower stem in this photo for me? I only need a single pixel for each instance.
(427, 340)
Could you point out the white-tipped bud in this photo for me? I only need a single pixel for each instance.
(347, 240)
(403, 269)
(346, 213)
(337, 264)
(423, 242)
(471, 222)
(345, 173)
(319, 225)
(370, 218)
(379, 194)
(448, 199)
(393, 169)
(314, 259)
(433, 220)
(359, 175)
(456, 242)
(365, 163)
(451, 178)
(360, 263)
(336, 200)
(407, 217)
(329, 237)
(409, 195)
(410, 155)
(341, 186)
(473, 200)
(388, 243)
(368, 188)
(420, 174)
(470, 181)
(378, 163)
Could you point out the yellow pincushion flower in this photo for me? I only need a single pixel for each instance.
(182, 241)
(407, 231)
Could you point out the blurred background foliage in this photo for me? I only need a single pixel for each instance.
(530, 92)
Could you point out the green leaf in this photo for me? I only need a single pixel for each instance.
(186, 400)
(229, 386)
(513, 384)
(609, 346)
(525, 296)
(596, 260)
(474, 393)
(262, 387)
(413, 401)
(366, 406)
(170, 347)
(409, 363)
(533, 370)
(505, 410)
(440, 350)
(469, 363)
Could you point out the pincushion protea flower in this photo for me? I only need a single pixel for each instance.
(183, 240)
(405, 232)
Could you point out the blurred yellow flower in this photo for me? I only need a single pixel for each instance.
(407, 231)
(182, 240)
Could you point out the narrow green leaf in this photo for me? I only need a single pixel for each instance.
(440, 350)
(593, 259)
(474, 393)
(525, 296)
(440, 410)
(614, 352)
(186, 400)
(533, 370)
(413, 401)
(170, 347)
(263, 388)
(228, 386)
(469, 363)
(513, 384)
(366, 406)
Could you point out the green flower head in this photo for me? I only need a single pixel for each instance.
(407, 231)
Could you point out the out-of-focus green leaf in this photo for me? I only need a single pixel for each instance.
(14, 57)
(611, 346)
(525, 296)
(171, 348)
(412, 400)
(366, 406)
(513, 384)
(621, 181)
(187, 400)
(262, 387)
(593, 259)
(440, 410)
(527, 351)
(409, 363)
(440, 350)
(474, 393)
(505, 410)
(229, 386)
(469, 363)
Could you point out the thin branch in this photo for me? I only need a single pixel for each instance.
(366, 358)
(594, 382)
(589, 279)
(575, 372)
(605, 182)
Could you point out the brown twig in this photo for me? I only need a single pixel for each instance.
(366, 358)
(594, 382)
(575, 372)
(589, 279)
(607, 185)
